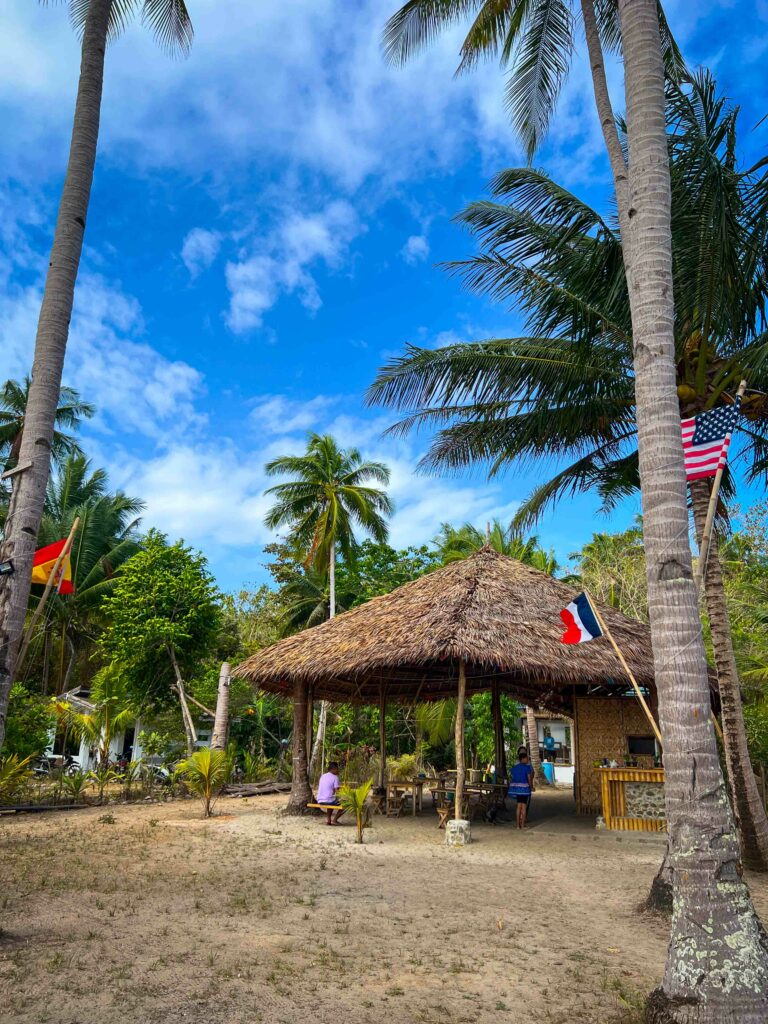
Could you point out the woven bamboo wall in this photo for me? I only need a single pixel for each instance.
(602, 727)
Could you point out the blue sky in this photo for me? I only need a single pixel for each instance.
(263, 233)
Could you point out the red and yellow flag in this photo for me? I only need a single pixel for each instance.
(42, 567)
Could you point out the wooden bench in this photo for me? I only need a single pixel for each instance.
(326, 807)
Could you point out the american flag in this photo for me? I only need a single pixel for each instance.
(706, 438)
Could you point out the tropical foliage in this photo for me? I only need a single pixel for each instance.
(206, 773)
(565, 389)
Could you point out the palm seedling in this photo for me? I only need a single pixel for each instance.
(76, 784)
(14, 777)
(353, 799)
(206, 772)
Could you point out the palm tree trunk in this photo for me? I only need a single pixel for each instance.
(301, 791)
(713, 920)
(322, 718)
(220, 733)
(28, 496)
(748, 807)
(533, 747)
(332, 582)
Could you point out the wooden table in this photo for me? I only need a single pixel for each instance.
(414, 786)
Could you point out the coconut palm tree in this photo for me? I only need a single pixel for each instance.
(454, 543)
(98, 21)
(328, 496)
(70, 412)
(535, 42)
(573, 388)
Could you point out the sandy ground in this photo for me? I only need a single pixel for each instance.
(154, 916)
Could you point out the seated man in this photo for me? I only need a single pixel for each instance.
(327, 788)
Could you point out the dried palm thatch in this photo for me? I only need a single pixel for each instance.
(500, 616)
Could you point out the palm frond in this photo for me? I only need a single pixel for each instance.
(541, 62)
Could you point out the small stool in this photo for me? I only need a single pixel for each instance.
(444, 813)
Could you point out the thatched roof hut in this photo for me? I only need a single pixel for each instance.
(502, 618)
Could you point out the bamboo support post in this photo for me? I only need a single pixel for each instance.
(627, 669)
(382, 735)
(191, 700)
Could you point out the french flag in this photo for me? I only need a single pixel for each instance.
(580, 622)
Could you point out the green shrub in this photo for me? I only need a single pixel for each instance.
(29, 724)
(407, 766)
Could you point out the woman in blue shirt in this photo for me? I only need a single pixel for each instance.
(521, 786)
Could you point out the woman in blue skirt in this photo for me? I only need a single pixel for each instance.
(521, 786)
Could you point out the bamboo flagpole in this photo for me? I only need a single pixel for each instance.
(706, 536)
(52, 580)
(638, 692)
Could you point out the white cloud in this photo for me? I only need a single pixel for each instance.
(210, 496)
(282, 263)
(134, 387)
(213, 496)
(278, 414)
(297, 84)
(415, 250)
(199, 249)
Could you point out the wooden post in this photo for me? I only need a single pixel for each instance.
(382, 735)
(310, 719)
(459, 739)
(575, 753)
(500, 753)
(52, 581)
(706, 535)
(220, 733)
(301, 791)
(627, 669)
